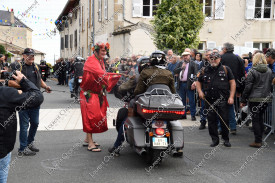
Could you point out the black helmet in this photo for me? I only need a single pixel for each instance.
(143, 62)
(157, 58)
(42, 62)
(79, 59)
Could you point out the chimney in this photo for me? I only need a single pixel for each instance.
(12, 16)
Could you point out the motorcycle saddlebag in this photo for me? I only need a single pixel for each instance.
(177, 134)
(135, 131)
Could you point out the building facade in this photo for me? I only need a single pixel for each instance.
(16, 36)
(126, 25)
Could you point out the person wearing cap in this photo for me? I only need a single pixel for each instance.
(218, 84)
(16, 65)
(29, 117)
(185, 72)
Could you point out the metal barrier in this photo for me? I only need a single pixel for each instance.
(269, 116)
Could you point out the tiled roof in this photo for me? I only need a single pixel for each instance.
(5, 19)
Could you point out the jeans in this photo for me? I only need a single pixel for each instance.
(71, 84)
(4, 168)
(28, 116)
(183, 91)
(120, 136)
(257, 109)
(232, 120)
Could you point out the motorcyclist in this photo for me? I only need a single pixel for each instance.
(156, 74)
(45, 67)
(78, 71)
(122, 94)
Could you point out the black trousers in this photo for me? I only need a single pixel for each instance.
(222, 108)
(257, 110)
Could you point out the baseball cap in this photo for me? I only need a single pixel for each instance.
(29, 51)
(215, 55)
(185, 53)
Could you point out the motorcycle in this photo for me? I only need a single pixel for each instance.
(77, 88)
(153, 131)
(43, 73)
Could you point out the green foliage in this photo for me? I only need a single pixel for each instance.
(9, 55)
(2, 49)
(177, 24)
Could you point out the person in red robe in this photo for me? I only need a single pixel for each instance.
(93, 101)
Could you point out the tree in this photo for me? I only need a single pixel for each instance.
(2, 49)
(177, 24)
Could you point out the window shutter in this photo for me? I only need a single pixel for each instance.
(211, 44)
(273, 45)
(250, 9)
(106, 9)
(248, 44)
(137, 8)
(219, 9)
(99, 10)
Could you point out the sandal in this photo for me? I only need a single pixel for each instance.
(85, 144)
(93, 149)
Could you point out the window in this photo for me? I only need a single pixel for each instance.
(207, 7)
(75, 14)
(62, 43)
(66, 41)
(149, 7)
(201, 46)
(71, 41)
(75, 38)
(261, 46)
(258, 9)
(262, 9)
(106, 9)
(99, 10)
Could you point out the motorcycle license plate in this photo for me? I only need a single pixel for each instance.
(79, 80)
(43, 72)
(160, 142)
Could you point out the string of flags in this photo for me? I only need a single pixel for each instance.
(36, 19)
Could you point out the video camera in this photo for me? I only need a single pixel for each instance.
(8, 75)
(249, 57)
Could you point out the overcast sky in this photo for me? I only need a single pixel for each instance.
(44, 9)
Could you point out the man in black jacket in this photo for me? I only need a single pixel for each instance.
(186, 74)
(29, 117)
(236, 64)
(11, 100)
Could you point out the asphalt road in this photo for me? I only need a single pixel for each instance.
(62, 159)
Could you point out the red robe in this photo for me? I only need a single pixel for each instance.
(94, 78)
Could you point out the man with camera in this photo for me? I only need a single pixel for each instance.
(11, 100)
(29, 117)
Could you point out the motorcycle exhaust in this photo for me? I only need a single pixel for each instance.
(140, 151)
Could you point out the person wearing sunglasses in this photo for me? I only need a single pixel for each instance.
(29, 117)
(218, 84)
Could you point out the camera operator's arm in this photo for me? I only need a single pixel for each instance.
(14, 84)
(31, 96)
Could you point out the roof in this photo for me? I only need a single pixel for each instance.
(18, 49)
(69, 6)
(129, 28)
(6, 15)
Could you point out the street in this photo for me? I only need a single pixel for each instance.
(62, 159)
